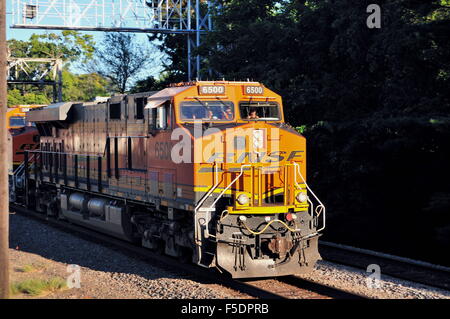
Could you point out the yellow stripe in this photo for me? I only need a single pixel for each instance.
(205, 189)
(265, 209)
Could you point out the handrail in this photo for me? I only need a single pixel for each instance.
(197, 207)
(207, 234)
(229, 185)
(210, 190)
(64, 153)
(21, 167)
(321, 207)
(196, 224)
(19, 172)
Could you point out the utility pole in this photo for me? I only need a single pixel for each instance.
(4, 198)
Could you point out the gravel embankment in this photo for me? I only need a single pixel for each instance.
(109, 273)
(355, 281)
(105, 272)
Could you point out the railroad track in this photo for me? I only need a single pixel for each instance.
(280, 288)
(293, 287)
(403, 268)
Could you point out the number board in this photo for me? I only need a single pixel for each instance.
(211, 89)
(253, 90)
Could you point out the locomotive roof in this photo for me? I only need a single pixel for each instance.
(53, 112)
(162, 96)
(59, 111)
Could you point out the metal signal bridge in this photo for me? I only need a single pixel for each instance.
(189, 17)
(36, 71)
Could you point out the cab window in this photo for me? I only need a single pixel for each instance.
(159, 117)
(16, 121)
(262, 111)
(207, 111)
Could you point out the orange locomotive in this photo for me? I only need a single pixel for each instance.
(24, 135)
(206, 170)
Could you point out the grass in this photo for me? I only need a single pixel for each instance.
(35, 287)
(30, 268)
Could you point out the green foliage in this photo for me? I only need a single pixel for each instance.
(84, 87)
(385, 173)
(150, 84)
(16, 97)
(121, 59)
(174, 47)
(36, 287)
(328, 65)
(30, 268)
(69, 45)
(301, 129)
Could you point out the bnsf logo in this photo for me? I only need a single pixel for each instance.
(248, 157)
(26, 147)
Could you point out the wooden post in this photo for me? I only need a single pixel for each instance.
(4, 197)
(27, 176)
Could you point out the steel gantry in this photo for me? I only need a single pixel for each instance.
(36, 71)
(189, 17)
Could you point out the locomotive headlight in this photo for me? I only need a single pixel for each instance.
(242, 199)
(301, 197)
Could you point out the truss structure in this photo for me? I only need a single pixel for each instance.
(36, 71)
(189, 17)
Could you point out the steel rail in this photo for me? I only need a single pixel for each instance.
(399, 267)
(207, 276)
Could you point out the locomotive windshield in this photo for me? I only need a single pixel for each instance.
(207, 110)
(17, 121)
(262, 111)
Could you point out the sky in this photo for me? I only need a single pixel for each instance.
(24, 34)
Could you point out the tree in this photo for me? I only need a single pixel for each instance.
(174, 48)
(16, 97)
(150, 84)
(84, 87)
(121, 59)
(71, 47)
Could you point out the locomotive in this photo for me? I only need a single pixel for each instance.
(205, 171)
(24, 136)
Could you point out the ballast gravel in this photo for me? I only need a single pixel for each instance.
(104, 272)
(107, 273)
(365, 284)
